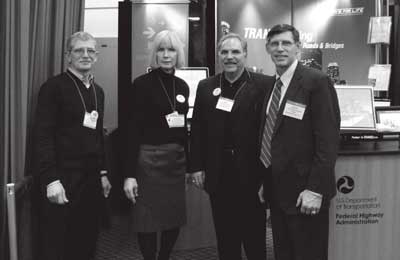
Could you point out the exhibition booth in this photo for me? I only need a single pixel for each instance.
(347, 39)
(350, 41)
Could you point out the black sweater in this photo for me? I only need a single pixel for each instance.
(229, 90)
(149, 103)
(61, 140)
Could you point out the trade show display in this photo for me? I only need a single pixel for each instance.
(357, 110)
(388, 118)
(345, 39)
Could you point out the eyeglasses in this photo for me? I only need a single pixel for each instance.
(233, 52)
(284, 44)
(81, 51)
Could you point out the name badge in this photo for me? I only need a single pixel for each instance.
(90, 119)
(294, 110)
(175, 120)
(225, 104)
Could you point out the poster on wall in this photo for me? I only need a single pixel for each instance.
(148, 19)
(337, 29)
(379, 76)
(252, 20)
(379, 29)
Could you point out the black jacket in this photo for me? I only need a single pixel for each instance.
(208, 131)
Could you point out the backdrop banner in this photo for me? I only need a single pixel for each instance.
(252, 20)
(336, 32)
(332, 32)
(148, 19)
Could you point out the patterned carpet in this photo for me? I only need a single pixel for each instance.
(118, 243)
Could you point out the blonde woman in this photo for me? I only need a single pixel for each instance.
(156, 148)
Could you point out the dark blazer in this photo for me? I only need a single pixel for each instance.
(304, 151)
(207, 131)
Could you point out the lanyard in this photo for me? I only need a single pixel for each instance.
(239, 89)
(80, 94)
(173, 106)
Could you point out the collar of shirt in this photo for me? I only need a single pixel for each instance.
(229, 89)
(286, 78)
(164, 74)
(242, 78)
(85, 80)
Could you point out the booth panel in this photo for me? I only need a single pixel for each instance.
(105, 74)
(148, 19)
(339, 30)
(252, 20)
(365, 215)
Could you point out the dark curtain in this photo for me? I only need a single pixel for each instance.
(3, 159)
(394, 89)
(32, 46)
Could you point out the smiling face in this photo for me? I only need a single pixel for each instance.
(283, 50)
(166, 56)
(232, 57)
(82, 56)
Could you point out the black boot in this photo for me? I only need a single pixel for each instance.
(148, 245)
(168, 239)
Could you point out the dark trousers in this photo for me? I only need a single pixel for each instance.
(70, 231)
(300, 236)
(239, 218)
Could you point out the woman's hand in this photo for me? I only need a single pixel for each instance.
(131, 189)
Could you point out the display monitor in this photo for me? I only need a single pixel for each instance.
(356, 109)
(388, 118)
(192, 76)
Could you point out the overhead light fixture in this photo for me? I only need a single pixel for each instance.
(194, 19)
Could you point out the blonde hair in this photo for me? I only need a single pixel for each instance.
(172, 38)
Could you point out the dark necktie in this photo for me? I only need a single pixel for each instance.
(265, 155)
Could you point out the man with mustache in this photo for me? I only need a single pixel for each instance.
(224, 154)
(299, 139)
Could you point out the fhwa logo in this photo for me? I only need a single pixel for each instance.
(345, 184)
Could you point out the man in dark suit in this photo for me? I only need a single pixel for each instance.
(224, 153)
(70, 155)
(299, 137)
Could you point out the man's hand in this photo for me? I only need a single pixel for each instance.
(105, 183)
(198, 179)
(310, 202)
(56, 193)
(131, 189)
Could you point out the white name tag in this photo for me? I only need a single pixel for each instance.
(225, 104)
(175, 120)
(90, 119)
(294, 110)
